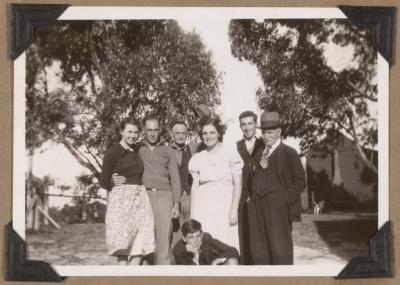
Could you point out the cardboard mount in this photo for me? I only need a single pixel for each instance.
(26, 17)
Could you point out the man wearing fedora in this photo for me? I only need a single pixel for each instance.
(278, 180)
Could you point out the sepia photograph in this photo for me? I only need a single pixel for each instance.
(153, 138)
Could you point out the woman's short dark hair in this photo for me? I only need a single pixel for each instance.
(129, 121)
(190, 227)
(216, 122)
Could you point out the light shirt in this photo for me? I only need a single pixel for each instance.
(161, 170)
(267, 153)
(196, 257)
(274, 146)
(250, 144)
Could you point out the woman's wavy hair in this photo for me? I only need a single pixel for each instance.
(216, 122)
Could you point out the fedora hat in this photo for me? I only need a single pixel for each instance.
(205, 113)
(270, 120)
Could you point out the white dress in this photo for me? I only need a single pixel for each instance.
(211, 201)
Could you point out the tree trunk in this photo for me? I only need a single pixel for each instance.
(37, 214)
(29, 212)
(75, 153)
(46, 204)
(359, 148)
(30, 201)
(337, 176)
(84, 208)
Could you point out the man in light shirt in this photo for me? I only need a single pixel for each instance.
(247, 148)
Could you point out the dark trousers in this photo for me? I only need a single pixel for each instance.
(270, 230)
(244, 239)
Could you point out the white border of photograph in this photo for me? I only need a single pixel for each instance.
(125, 13)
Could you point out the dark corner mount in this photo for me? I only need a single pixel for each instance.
(378, 264)
(20, 269)
(382, 20)
(26, 17)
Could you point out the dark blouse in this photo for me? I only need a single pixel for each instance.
(124, 162)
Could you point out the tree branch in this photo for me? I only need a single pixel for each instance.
(92, 82)
(369, 164)
(357, 32)
(96, 60)
(46, 89)
(78, 156)
(371, 159)
(360, 94)
(329, 118)
(342, 126)
(93, 157)
(94, 105)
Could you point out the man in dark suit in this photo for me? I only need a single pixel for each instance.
(198, 248)
(247, 148)
(278, 180)
(184, 151)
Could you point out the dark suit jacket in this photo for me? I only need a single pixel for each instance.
(210, 249)
(291, 175)
(249, 161)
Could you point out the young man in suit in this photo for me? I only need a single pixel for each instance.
(247, 148)
(278, 180)
(198, 248)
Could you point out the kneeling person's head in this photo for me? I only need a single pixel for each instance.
(192, 233)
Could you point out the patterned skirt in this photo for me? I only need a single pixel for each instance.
(129, 221)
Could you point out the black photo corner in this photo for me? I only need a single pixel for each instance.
(18, 268)
(26, 17)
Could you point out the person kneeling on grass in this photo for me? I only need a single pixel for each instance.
(198, 248)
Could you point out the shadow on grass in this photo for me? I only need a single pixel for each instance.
(348, 238)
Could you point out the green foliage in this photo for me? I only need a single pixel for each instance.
(108, 70)
(315, 100)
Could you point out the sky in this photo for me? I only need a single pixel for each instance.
(240, 79)
(240, 82)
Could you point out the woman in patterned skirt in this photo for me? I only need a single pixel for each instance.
(129, 218)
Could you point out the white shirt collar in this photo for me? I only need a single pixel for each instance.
(250, 144)
(275, 145)
(250, 141)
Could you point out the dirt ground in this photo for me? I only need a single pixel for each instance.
(327, 238)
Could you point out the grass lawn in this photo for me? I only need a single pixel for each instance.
(328, 238)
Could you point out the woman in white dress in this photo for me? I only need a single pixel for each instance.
(216, 187)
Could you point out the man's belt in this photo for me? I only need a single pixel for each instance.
(151, 189)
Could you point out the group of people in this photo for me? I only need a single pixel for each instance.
(237, 205)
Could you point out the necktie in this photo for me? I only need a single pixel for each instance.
(265, 157)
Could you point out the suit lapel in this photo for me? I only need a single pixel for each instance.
(243, 150)
(206, 252)
(258, 145)
(280, 159)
